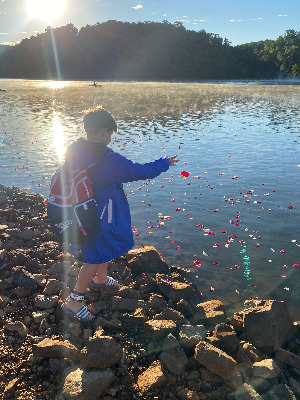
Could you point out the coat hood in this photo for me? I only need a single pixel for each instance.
(83, 153)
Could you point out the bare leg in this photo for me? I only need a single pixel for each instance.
(86, 273)
(101, 274)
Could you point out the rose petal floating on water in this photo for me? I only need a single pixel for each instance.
(177, 209)
(237, 266)
(284, 266)
(283, 276)
(282, 251)
(290, 207)
(178, 248)
(296, 265)
(215, 263)
(257, 245)
(184, 174)
(173, 241)
(253, 285)
(211, 289)
(223, 231)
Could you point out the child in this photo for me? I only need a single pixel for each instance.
(109, 170)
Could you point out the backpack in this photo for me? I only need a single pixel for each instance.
(71, 208)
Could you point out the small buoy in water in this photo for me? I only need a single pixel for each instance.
(256, 81)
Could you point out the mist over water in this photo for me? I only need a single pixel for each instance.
(238, 142)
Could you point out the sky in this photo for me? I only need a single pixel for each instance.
(240, 21)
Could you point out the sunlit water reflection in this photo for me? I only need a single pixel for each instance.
(239, 143)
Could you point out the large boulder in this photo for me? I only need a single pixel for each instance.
(156, 329)
(147, 259)
(23, 278)
(55, 348)
(288, 358)
(268, 324)
(174, 360)
(228, 337)
(152, 378)
(100, 352)
(266, 369)
(215, 360)
(81, 384)
(176, 291)
(189, 336)
(209, 313)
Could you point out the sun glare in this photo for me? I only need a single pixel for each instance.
(46, 9)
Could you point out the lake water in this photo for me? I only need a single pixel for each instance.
(238, 142)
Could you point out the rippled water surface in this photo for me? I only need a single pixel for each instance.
(239, 144)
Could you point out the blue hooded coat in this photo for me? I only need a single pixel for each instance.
(108, 171)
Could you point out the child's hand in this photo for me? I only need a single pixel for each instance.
(172, 160)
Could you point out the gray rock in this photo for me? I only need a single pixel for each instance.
(101, 352)
(174, 360)
(175, 291)
(60, 268)
(81, 384)
(136, 317)
(156, 329)
(288, 358)
(280, 392)
(185, 308)
(294, 385)
(266, 369)
(152, 378)
(21, 277)
(173, 315)
(150, 260)
(228, 337)
(18, 327)
(189, 336)
(246, 392)
(45, 302)
(252, 352)
(268, 325)
(209, 314)
(215, 360)
(130, 293)
(26, 234)
(3, 254)
(33, 266)
(119, 303)
(157, 302)
(38, 316)
(55, 348)
(170, 342)
(52, 287)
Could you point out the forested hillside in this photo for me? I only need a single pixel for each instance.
(147, 51)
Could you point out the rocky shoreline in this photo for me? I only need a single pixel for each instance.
(148, 340)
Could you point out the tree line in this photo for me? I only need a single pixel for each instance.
(116, 50)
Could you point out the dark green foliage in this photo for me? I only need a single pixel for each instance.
(147, 51)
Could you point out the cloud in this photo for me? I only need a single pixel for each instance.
(138, 7)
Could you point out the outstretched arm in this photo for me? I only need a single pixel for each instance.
(173, 160)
